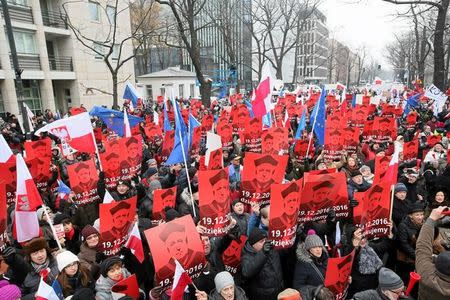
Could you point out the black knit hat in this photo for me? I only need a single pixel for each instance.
(256, 235)
(106, 265)
(415, 207)
(61, 218)
(442, 263)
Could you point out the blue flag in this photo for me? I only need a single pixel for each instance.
(354, 100)
(412, 101)
(167, 125)
(318, 114)
(181, 141)
(130, 93)
(301, 125)
(56, 286)
(250, 109)
(267, 119)
(193, 123)
(114, 119)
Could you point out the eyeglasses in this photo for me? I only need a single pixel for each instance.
(398, 292)
(75, 263)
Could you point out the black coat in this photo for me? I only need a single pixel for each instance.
(406, 237)
(400, 210)
(262, 272)
(308, 270)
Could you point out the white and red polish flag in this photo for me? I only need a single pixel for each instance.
(26, 224)
(126, 123)
(134, 243)
(181, 280)
(46, 292)
(392, 171)
(74, 132)
(5, 151)
(262, 96)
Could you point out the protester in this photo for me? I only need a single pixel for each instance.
(9, 291)
(111, 272)
(390, 286)
(72, 275)
(225, 289)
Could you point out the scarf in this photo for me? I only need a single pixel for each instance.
(369, 262)
(70, 234)
(38, 268)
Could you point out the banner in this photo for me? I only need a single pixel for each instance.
(83, 182)
(116, 220)
(231, 257)
(161, 199)
(284, 206)
(338, 272)
(260, 172)
(177, 239)
(376, 210)
(252, 135)
(439, 97)
(214, 201)
(322, 192)
(410, 150)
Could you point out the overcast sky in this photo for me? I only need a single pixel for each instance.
(366, 22)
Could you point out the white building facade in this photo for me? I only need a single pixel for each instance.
(58, 71)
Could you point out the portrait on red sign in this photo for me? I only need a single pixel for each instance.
(131, 154)
(240, 117)
(333, 144)
(225, 130)
(338, 272)
(301, 148)
(322, 192)
(116, 220)
(40, 149)
(214, 201)
(384, 129)
(83, 181)
(111, 167)
(376, 210)
(231, 257)
(367, 131)
(167, 145)
(410, 150)
(215, 159)
(40, 170)
(161, 199)
(260, 172)
(177, 239)
(284, 207)
(433, 139)
(359, 116)
(381, 166)
(252, 135)
(350, 136)
(275, 141)
(152, 131)
(9, 177)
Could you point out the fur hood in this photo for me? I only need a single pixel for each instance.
(303, 255)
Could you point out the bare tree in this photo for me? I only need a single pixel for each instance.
(438, 41)
(109, 45)
(187, 15)
(360, 64)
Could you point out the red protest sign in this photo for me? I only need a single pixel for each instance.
(152, 131)
(39, 168)
(411, 120)
(301, 148)
(83, 181)
(381, 166)
(131, 156)
(252, 135)
(225, 130)
(359, 116)
(350, 136)
(284, 206)
(214, 201)
(3, 217)
(384, 129)
(358, 210)
(338, 272)
(433, 140)
(322, 192)
(410, 150)
(376, 210)
(177, 239)
(216, 160)
(231, 257)
(9, 176)
(161, 199)
(260, 172)
(239, 117)
(333, 144)
(116, 220)
(40, 149)
(275, 140)
(127, 287)
(167, 145)
(367, 131)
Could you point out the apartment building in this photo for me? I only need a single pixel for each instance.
(58, 71)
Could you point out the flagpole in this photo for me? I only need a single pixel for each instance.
(313, 126)
(50, 222)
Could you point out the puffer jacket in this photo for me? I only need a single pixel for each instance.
(406, 237)
(309, 270)
(262, 272)
(103, 286)
(434, 285)
(239, 294)
(31, 283)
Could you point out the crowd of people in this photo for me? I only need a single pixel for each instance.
(419, 239)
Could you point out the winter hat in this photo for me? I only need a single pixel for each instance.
(222, 280)
(124, 182)
(150, 172)
(64, 259)
(235, 201)
(355, 173)
(106, 265)
(415, 207)
(400, 187)
(289, 294)
(388, 280)
(311, 232)
(36, 244)
(60, 218)
(443, 263)
(154, 185)
(87, 231)
(83, 294)
(256, 235)
(171, 214)
(9, 291)
(40, 213)
(312, 241)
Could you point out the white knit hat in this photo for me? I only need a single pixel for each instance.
(65, 258)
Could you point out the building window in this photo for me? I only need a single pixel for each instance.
(149, 90)
(18, 2)
(31, 95)
(192, 90)
(25, 42)
(111, 12)
(162, 91)
(94, 11)
(115, 52)
(181, 90)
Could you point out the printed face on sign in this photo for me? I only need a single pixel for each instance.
(84, 174)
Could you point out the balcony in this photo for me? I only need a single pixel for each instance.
(20, 13)
(53, 19)
(28, 61)
(60, 63)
